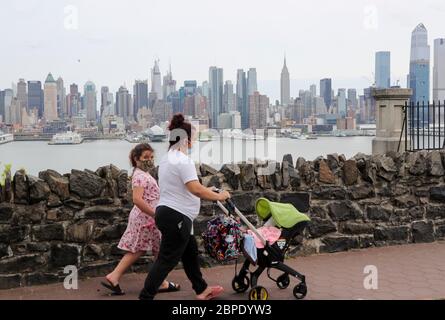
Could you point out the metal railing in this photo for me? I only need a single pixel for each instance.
(424, 126)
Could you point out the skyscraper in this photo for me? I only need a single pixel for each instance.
(306, 99)
(22, 94)
(15, 112)
(50, 99)
(201, 107)
(162, 111)
(252, 85)
(61, 98)
(2, 106)
(205, 90)
(313, 90)
(193, 106)
(35, 97)
(326, 92)
(73, 101)
(106, 102)
(369, 112)
(242, 102)
(169, 85)
(419, 71)
(189, 105)
(124, 104)
(156, 81)
(175, 99)
(140, 92)
(319, 106)
(229, 97)
(258, 105)
(341, 102)
(285, 85)
(362, 109)
(439, 71)
(152, 98)
(104, 91)
(296, 110)
(90, 101)
(352, 99)
(14, 89)
(383, 69)
(216, 86)
(8, 106)
(190, 87)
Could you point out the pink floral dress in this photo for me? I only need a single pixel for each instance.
(141, 233)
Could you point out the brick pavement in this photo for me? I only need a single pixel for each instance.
(415, 271)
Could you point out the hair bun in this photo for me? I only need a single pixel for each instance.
(177, 121)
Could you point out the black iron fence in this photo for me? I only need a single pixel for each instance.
(424, 126)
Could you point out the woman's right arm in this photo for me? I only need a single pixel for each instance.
(205, 193)
(138, 201)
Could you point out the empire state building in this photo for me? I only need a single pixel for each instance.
(285, 85)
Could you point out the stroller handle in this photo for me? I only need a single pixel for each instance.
(239, 214)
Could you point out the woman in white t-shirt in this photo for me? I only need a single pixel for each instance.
(179, 205)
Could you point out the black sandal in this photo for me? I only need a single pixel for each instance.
(116, 289)
(172, 287)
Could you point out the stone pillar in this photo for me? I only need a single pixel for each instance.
(390, 116)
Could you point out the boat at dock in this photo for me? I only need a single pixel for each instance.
(6, 137)
(66, 138)
(156, 134)
(237, 134)
(298, 136)
(135, 138)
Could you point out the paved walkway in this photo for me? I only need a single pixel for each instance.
(414, 271)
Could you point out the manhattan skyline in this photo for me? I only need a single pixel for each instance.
(112, 47)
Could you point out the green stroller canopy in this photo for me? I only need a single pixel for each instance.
(284, 214)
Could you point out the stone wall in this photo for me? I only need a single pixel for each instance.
(55, 220)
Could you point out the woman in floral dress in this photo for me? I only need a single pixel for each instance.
(141, 234)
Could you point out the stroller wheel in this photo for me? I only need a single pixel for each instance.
(283, 281)
(300, 291)
(240, 285)
(258, 293)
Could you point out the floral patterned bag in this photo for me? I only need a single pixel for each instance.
(223, 238)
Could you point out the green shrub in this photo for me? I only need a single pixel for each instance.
(6, 171)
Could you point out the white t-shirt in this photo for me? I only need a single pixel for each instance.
(175, 170)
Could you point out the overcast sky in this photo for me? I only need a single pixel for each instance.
(114, 42)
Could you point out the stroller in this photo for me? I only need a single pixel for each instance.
(292, 223)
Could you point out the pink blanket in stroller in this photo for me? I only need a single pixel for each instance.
(270, 234)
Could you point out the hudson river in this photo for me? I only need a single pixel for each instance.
(38, 156)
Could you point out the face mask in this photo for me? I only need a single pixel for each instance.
(146, 165)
